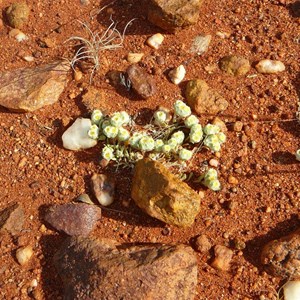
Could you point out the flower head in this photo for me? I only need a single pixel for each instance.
(211, 129)
(96, 116)
(160, 117)
(108, 153)
(181, 109)
(93, 132)
(123, 134)
(221, 137)
(158, 145)
(185, 154)
(110, 131)
(166, 149)
(146, 143)
(116, 119)
(178, 136)
(172, 142)
(212, 142)
(190, 121)
(196, 133)
(134, 139)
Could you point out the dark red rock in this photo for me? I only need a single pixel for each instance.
(104, 269)
(73, 219)
(143, 84)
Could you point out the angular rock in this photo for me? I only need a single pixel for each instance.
(12, 219)
(143, 84)
(104, 269)
(282, 257)
(76, 136)
(172, 14)
(223, 256)
(200, 44)
(202, 99)
(104, 188)
(24, 254)
(17, 14)
(73, 219)
(162, 195)
(235, 65)
(202, 244)
(29, 89)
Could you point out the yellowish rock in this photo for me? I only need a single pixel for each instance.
(177, 75)
(155, 40)
(268, 66)
(134, 57)
(24, 254)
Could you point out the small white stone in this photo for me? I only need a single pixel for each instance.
(76, 136)
(33, 283)
(269, 66)
(155, 40)
(200, 44)
(28, 58)
(213, 163)
(177, 75)
(222, 35)
(134, 58)
(291, 290)
(18, 35)
(24, 254)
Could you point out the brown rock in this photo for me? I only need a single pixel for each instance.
(217, 121)
(92, 98)
(172, 14)
(235, 65)
(162, 195)
(12, 219)
(202, 99)
(28, 89)
(143, 84)
(202, 244)
(223, 256)
(104, 269)
(73, 219)
(17, 14)
(282, 257)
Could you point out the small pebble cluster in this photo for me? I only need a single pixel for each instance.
(171, 138)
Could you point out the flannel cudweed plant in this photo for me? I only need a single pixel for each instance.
(172, 140)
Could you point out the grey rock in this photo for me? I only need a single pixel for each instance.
(162, 195)
(73, 219)
(235, 65)
(17, 14)
(203, 99)
(103, 269)
(282, 257)
(28, 89)
(172, 14)
(12, 219)
(143, 84)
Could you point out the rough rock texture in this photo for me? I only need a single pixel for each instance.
(223, 256)
(12, 219)
(202, 244)
(92, 98)
(202, 99)
(162, 195)
(141, 82)
(172, 14)
(102, 269)
(28, 89)
(103, 188)
(235, 65)
(282, 257)
(17, 14)
(73, 219)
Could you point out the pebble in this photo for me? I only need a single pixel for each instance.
(17, 14)
(78, 75)
(84, 198)
(104, 188)
(18, 35)
(177, 75)
(134, 57)
(202, 244)
(223, 257)
(12, 219)
(155, 40)
(232, 180)
(213, 163)
(268, 66)
(200, 44)
(217, 121)
(28, 58)
(238, 126)
(235, 65)
(24, 254)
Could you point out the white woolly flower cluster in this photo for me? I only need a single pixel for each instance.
(214, 138)
(211, 180)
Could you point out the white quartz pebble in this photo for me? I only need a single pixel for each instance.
(134, 58)
(177, 75)
(155, 40)
(18, 35)
(269, 66)
(24, 254)
(76, 136)
(291, 290)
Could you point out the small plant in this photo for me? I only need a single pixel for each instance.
(173, 139)
(90, 47)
